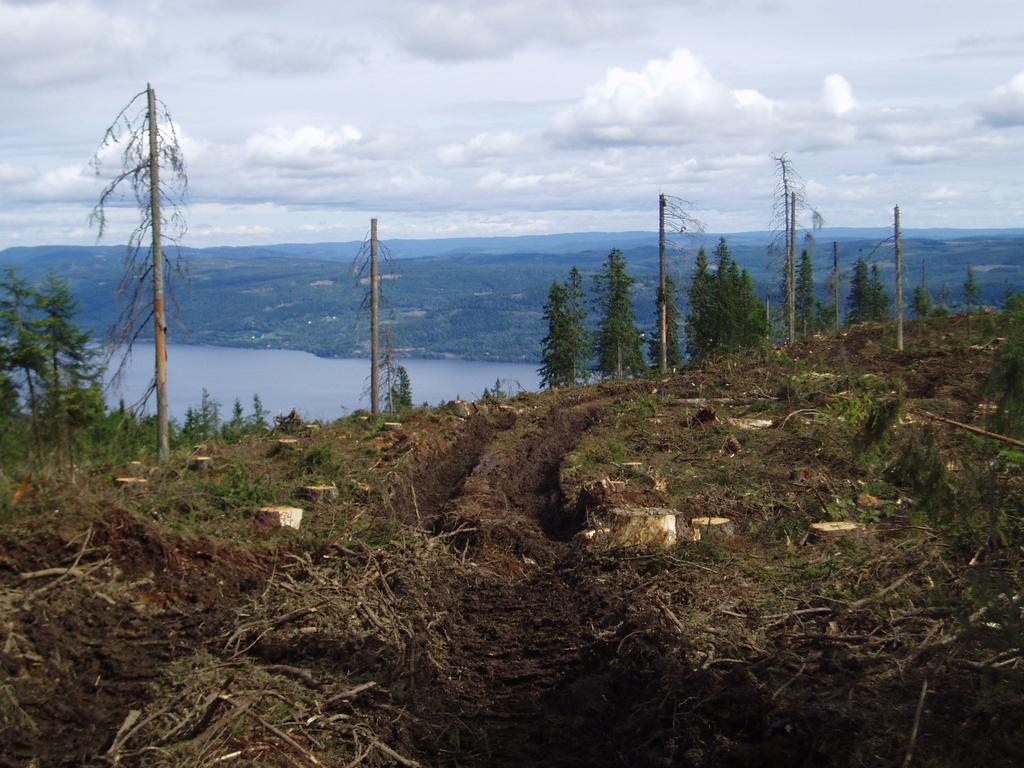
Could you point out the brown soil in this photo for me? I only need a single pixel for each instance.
(477, 629)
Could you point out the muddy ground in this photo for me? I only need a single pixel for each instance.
(459, 605)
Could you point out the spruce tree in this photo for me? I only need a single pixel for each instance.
(556, 359)
(857, 301)
(578, 343)
(970, 291)
(26, 357)
(806, 306)
(701, 334)
(673, 355)
(619, 342)
(879, 299)
(399, 395)
(566, 348)
(725, 312)
(71, 378)
(922, 305)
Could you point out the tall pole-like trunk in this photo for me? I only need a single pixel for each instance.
(835, 280)
(159, 316)
(899, 277)
(374, 322)
(768, 312)
(791, 269)
(662, 297)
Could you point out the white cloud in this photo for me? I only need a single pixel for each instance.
(65, 41)
(482, 147)
(921, 154)
(668, 101)
(837, 95)
(500, 181)
(276, 54)
(941, 194)
(460, 30)
(305, 148)
(1005, 106)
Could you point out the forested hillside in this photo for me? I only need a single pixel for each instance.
(477, 298)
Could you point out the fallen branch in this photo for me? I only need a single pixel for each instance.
(296, 673)
(350, 693)
(917, 724)
(974, 430)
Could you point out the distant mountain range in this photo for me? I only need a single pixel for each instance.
(478, 298)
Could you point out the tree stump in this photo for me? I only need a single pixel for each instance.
(279, 517)
(201, 463)
(710, 527)
(831, 530)
(285, 443)
(393, 426)
(131, 483)
(638, 526)
(460, 408)
(320, 493)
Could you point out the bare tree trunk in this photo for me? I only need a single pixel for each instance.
(374, 322)
(662, 298)
(899, 278)
(159, 315)
(835, 280)
(791, 269)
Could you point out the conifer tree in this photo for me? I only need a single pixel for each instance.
(673, 355)
(399, 395)
(556, 361)
(879, 299)
(578, 342)
(71, 375)
(857, 301)
(922, 305)
(725, 313)
(700, 322)
(806, 306)
(970, 291)
(619, 341)
(26, 358)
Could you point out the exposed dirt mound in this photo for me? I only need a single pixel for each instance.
(80, 644)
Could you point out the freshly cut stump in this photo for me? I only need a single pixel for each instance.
(460, 408)
(319, 492)
(643, 526)
(286, 444)
(393, 426)
(837, 529)
(710, 527)
(202, 463)
(131, 483)
(280, 517)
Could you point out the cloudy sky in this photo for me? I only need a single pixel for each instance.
(300, 120)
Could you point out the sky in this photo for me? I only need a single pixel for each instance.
(445, 118)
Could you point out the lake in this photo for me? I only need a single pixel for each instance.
(319, 388)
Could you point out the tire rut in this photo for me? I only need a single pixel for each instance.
(532, 638)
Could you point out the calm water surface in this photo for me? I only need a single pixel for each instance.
(319, 388)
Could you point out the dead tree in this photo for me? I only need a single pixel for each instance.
(369, 260)
(148, 143)
(374, 322)
(790, 199)
(674, 218)
(898, 246)
(835, 282)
